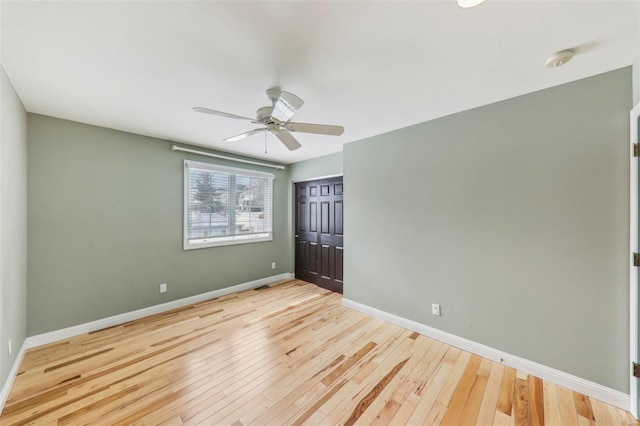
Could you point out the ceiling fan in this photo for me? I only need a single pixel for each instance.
(276, 118)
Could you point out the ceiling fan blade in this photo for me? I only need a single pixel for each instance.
(287, 139)
(319, 129)
(286, 106)
(244, 135)
(220, 113)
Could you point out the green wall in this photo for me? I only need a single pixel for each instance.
(636, 81)
(105, 227)
(513, 217)
(13, 224)
(329, 165)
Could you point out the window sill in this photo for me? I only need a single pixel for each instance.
(226, 241)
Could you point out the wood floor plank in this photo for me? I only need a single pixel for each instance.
(435, 415)
(601, 413)
(235, 377)
(618, 416)
(285, 394)
(583, 406)
(505, 399)
(502, 419)
(450, 386)
(365, 402)
(551, 404)
(536, 401)
(439, 388)
(286, 355)
(387, 355)
(409, 381)
(462, 393)
(521, 401)
(489, 402)
(356, 403)
(289, 375)
(389, 399)
(366, 348)
(568, 412)
(425, 375)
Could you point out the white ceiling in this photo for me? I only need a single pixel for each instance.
(372, 67)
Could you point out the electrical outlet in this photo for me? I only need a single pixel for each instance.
(10, 347)
(273, 265)
(435, 309)
(163, 288)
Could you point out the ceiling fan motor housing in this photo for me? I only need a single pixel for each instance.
(273, 127)
(273, 94)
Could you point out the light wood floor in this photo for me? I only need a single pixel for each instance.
(290, 354)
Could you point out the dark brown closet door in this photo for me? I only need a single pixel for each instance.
(319, 232)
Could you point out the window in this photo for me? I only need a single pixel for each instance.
(225, 205)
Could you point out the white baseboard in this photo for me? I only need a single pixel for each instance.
(8, 384)
(569, 381)
(65, 333)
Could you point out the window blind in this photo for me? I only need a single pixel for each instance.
(225, 205)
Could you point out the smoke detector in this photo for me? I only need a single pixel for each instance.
(559, 58)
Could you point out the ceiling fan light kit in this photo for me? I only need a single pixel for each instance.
(276, 118)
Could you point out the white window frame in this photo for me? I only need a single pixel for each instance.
(229, 240)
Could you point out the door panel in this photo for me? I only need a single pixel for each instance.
(325, 259)
(338, 216)
(312, 265)
(306, 241)
(339, 261)
(301, 260)
(325, 217)
(319, 232)
(302, 226)
(313, 217)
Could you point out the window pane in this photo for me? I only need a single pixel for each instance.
(250, 215)
(209, 193)
(224, 206)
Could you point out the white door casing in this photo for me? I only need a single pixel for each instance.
(633, 271)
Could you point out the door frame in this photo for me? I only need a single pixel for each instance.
(308, 179)
(292, 213)
(634, 305)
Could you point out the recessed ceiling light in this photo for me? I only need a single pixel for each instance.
(466, 4)
(559, 58)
